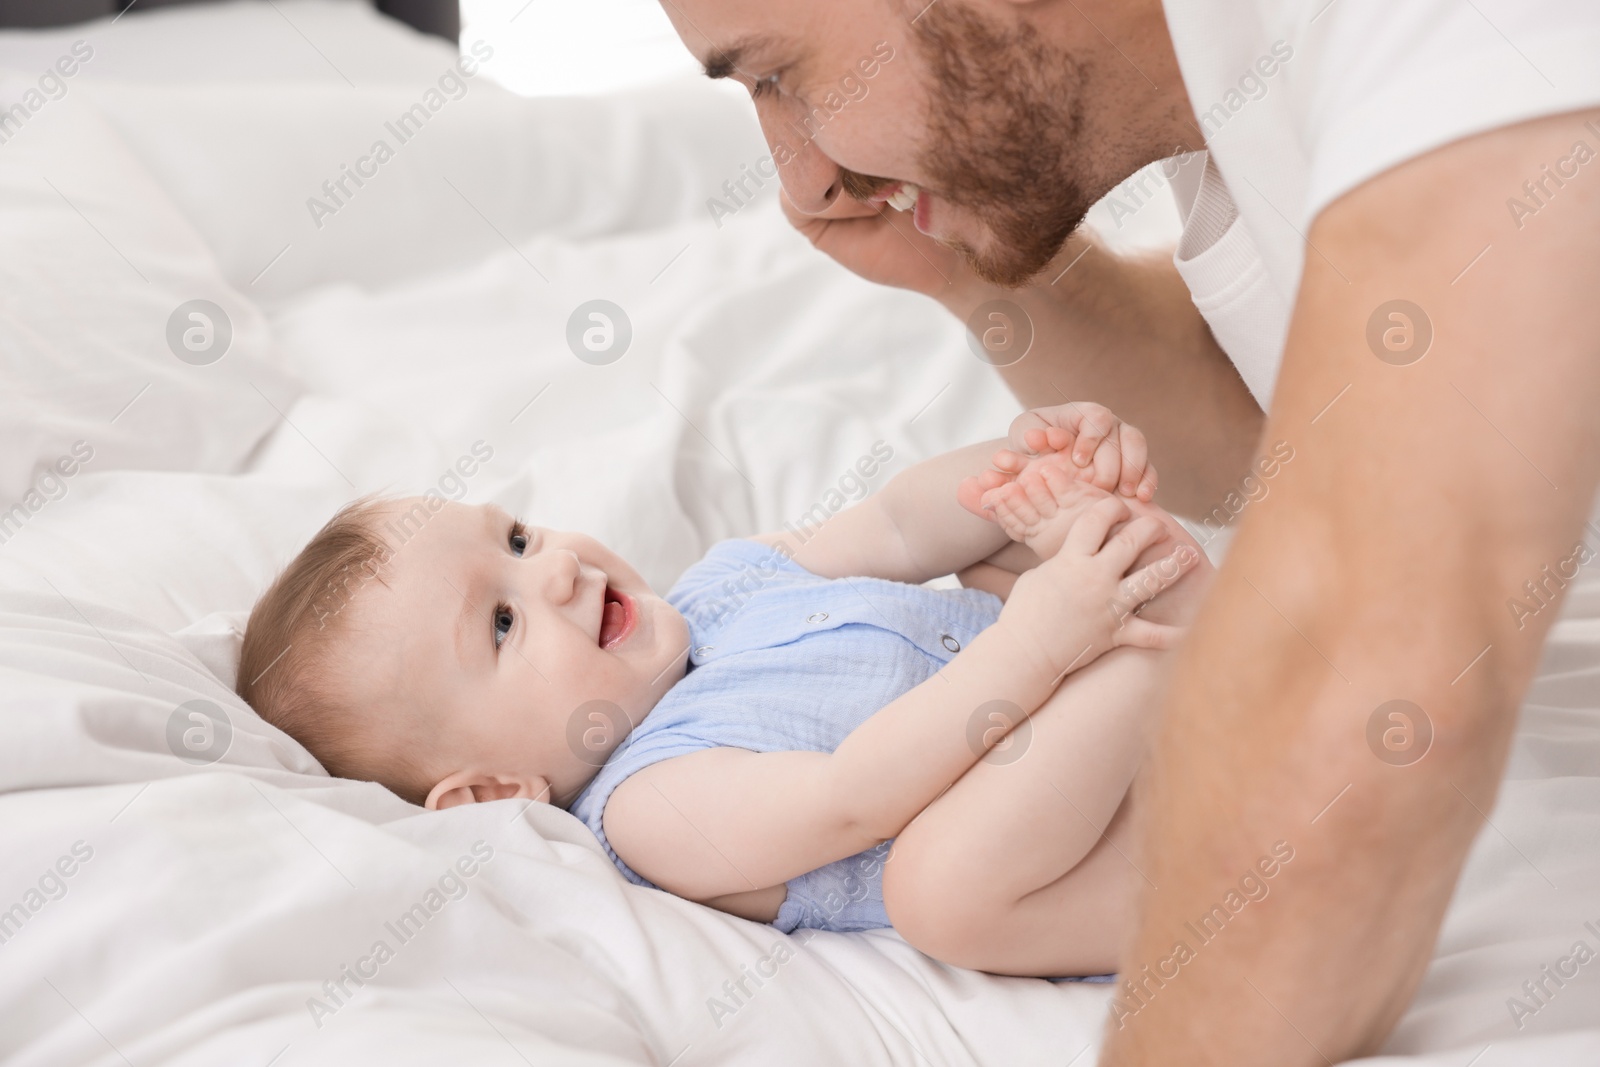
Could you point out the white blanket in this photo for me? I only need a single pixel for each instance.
(242, 906)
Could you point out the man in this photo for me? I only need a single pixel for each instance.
(1392, 246)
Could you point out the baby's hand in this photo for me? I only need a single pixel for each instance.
(1104, 451)
(1082, 602)
(1042, 503)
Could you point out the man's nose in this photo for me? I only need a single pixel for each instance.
(810, 178)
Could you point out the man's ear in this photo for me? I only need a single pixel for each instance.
(475, 787)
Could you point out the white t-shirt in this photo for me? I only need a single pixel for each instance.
(1303, 100)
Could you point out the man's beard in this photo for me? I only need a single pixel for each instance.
(1005, 138)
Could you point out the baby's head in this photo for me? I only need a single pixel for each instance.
(455, 655)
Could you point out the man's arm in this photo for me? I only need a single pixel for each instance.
(1382, 568)
(1121, 330)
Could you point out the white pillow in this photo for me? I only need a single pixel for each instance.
(95, 288)
(243, 40)
(173, 547)
(248, 166)
(94, 695)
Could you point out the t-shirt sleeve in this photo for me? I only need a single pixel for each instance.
(650, 748)
(1382, 82)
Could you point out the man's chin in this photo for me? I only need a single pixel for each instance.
(1001, 267)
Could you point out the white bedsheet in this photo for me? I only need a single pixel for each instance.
(217, 900)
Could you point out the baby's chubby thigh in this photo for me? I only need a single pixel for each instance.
(1023, 816)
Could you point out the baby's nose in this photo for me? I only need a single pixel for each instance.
(561, 570)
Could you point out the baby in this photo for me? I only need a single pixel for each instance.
(757, 739)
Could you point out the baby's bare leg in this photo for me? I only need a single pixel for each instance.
(1021, 866)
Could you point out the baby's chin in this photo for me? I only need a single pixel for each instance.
(565, 799)
(663, 637)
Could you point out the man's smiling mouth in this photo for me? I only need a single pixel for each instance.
(910, 198)
(904, 198)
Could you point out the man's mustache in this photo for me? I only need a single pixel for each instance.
(862, 186)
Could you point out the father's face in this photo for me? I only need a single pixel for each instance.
(960, 98)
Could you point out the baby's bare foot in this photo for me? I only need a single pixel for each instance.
(1040, 505)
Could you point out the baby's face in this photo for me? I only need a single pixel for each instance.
(497, 634)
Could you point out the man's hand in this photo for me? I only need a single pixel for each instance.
(881, 244)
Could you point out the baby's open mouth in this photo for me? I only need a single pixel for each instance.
(618, 618)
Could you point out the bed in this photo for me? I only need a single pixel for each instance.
(183, 883)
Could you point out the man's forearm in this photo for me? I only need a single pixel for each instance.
(1351, 685)
(1264, 742)
(1123, 332)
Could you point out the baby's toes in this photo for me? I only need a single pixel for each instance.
(989, 479)
(1040, 494)
(1012, 511)
(1011, 501)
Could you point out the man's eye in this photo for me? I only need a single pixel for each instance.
(764, 86)
(503, 618)
(519, 538)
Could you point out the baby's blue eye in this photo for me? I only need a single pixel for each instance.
(503, 618)
(519, 538)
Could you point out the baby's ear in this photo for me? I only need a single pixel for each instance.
(472, 787)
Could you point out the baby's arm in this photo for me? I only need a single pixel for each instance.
(912, 530)
(921, 525)
(726, 821)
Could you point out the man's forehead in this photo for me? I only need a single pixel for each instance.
(726, 35)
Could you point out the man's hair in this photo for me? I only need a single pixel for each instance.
(288, 670)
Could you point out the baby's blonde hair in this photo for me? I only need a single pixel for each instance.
(287, 667)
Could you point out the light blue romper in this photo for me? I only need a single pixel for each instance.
(782, 660)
